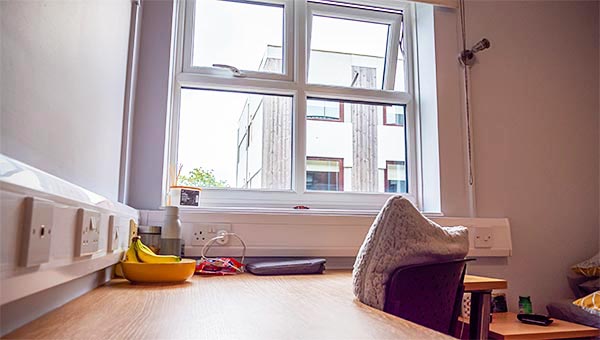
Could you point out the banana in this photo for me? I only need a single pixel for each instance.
(146, 255)
(130, 255)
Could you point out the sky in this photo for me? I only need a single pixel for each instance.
(237, 34)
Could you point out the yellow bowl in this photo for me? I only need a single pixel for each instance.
(159, 272)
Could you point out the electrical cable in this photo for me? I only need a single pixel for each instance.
(467, 76)
(210, 242)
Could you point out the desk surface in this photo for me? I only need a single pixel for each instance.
(234, 307)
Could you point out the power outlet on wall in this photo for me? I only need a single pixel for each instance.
(87, 232)
(202, 233)
(37, 231)
(483, 237)
(113, 234)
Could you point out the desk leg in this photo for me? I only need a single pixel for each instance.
(479, 322)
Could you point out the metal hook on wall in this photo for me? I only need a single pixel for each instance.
(467, 57)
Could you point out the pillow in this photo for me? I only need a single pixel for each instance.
(589, 267)
(591, 303)
(590, 286)
(401, 236)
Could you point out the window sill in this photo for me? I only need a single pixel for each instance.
(287, 211)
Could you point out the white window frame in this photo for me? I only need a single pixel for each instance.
(294, 83)
(287, 48)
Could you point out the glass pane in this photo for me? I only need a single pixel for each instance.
(324, 174)
(400, 81)
(235, 140)
(354, 154)
(323, 109)
(347, 52)
(248, 36)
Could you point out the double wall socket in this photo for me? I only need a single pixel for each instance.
(203, 233)
(87, 232)
(37, 231)
(483, 237)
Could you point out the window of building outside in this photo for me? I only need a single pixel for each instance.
(395, 177)
(394, 115)
(324, 110)
(325, 174)
(242, 122)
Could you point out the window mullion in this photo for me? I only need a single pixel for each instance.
(302, 34)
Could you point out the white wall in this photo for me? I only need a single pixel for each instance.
(63, 83)
(535, 101)
(536, 123)
(148, 138)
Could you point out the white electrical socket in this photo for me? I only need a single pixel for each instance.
(87, 234)
(202, 233)
(483, 237)
(37, 231)
(113, 234)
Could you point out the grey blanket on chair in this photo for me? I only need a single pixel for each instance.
(401, 236)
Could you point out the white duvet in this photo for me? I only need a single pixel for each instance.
(401, 236)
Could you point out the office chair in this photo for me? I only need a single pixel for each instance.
(428, 294)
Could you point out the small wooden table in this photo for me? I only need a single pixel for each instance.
(481, 295)
(506, 326)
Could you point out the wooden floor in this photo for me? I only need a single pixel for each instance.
(235, 307)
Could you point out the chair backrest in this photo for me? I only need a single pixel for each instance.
(428, 294)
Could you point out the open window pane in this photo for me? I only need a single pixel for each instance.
(347, 53)
(400, 79)
(244, 35)
(354, 155)
(235, 140)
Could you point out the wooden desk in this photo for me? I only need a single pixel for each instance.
(235, 307)
(506, 326)
(480, 283)
(481, 295)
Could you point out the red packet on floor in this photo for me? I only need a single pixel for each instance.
(219, 266)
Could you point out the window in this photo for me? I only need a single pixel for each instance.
(324, 110)
(225, 32)
(324, 174)
(395, 177)
(222, 140)
(247, 126)
(394, 115)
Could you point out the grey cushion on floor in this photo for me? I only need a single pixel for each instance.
(566, 310)
(401, 236)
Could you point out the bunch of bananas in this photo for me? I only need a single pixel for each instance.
(139, 252)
